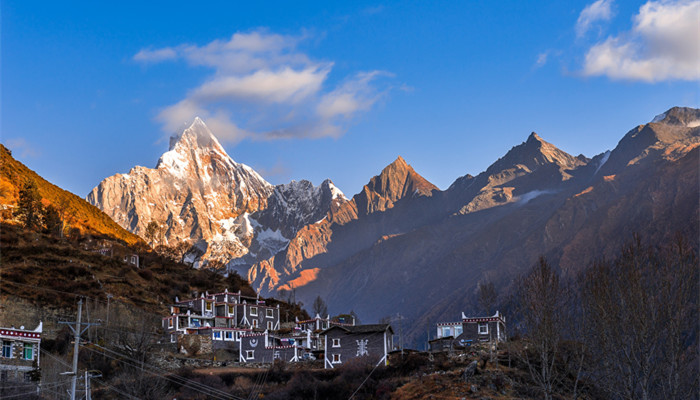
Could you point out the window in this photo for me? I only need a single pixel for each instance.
(238, 336)
(254, 311)
(270, 325)
(229, 335)
(270, 313)
(230, 309)
(336, 342)
(28, 351)
(458, 330)
(170, 322)
(483, 329)
(250, 354)
(208, 306)
(217, 335)
(336, 358)
(255, 323)
(7, 349)
(446, 331)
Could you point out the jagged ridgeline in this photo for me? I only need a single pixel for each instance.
(401, 244)
(224, 209)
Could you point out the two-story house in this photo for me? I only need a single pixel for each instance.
(343, 343)
(19, 352)
(470, 330)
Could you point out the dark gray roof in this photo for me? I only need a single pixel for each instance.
(370, 328)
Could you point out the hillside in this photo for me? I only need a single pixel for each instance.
(79, 213)
(50, 272)
(535, 200)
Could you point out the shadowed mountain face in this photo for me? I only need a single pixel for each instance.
(425, 255)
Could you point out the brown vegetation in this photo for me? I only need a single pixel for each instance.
(75, 212)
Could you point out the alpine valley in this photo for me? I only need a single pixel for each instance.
(402, 244)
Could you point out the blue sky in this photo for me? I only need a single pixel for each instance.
(313, 90)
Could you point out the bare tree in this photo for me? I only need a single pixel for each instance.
(151, 233)
(642, 314)
(319, 307)
(541, 300)
(487, 297)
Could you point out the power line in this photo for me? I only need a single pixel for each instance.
(157, 371)
(115, 389)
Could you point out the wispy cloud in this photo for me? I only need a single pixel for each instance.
(279, 169)
(541, 59)
(600, 10)
(662, 45)
(22, 148)
(263, 87)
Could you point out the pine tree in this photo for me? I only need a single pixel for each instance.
(29, 208)
(52, 220)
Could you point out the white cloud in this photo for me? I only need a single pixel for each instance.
(662, 45)
(263, 87)
(22, 148)
(154, 56)
(600, 10)
(541, 59)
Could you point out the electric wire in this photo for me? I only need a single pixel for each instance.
(159, 372)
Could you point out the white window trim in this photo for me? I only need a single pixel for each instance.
(2, 349)
(270, 325)
(170, 323)
(25, 349)
(270, 313)
(336, 342)
(249, 354)
(208, 305)
(253, 311)
(333, 360)
(254, 324)
(484, 325)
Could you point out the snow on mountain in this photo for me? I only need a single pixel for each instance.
(196, 193)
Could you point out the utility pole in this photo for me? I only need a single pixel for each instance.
(76, 348)
(77, 331)
(109, 296)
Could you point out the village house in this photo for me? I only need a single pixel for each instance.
(225, 317)
(343, 343)
(471, 330)
(265, 348)
(19, 356)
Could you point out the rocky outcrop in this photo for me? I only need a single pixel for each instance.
(228, 213)
(196, 193)
(347, 227)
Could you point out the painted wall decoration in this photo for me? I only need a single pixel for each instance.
(362, 347)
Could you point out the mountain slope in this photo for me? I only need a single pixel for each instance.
(78, 213)
(387, 205)
(570, 209)
(196, 192)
